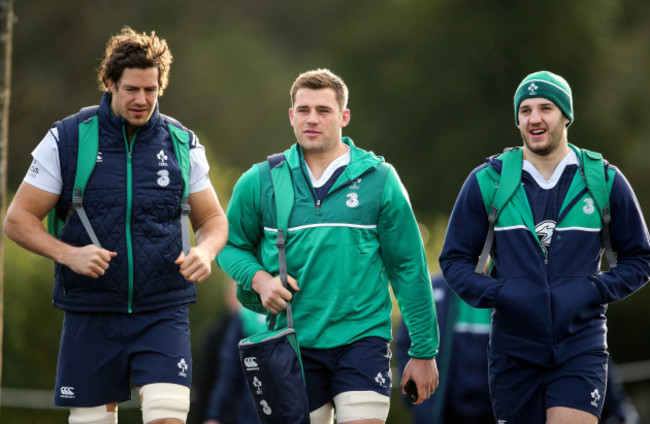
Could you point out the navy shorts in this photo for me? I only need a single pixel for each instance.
(363, 365)
(102, 353)
(522, 392)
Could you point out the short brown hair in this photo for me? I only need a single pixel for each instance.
(129, 49)
(321, 78)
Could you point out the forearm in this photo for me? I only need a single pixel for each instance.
(466, 234)
(630, 241)
(464, 240)
(28, 231)
(478, 290)
(415, 298)
(238, 258)
(211, 236)
(424, 331)
(412, 288)
(260, 278)
(630, 275)
(240, 265)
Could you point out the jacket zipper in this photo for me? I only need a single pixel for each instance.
(129, 200)
(318, 202)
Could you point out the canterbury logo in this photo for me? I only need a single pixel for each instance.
(250, 362)
(67, 391)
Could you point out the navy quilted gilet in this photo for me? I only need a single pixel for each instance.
(132, 199)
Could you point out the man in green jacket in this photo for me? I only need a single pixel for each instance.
(351, 231)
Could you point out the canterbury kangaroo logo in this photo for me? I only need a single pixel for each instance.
(67, 391)
(250, 362)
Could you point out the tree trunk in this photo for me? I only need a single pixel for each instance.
(6, 33)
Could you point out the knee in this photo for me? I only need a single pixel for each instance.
(322, 415)
(164, 401)
(103, 414)
(366, 405)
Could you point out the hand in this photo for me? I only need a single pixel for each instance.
(274, 296)
(197, 266)
(424, 374)
(89, 260)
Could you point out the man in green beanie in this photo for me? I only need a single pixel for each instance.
(526, 238)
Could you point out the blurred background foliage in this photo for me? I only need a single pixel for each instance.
(431, 84)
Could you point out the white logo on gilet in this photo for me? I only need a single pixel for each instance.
(162, 158)
(265, 407)
(163, 178)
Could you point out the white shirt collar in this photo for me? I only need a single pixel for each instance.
(342, 160)
(570, 159)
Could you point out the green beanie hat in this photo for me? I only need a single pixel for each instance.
(549, 86)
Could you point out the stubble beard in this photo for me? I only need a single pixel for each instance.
(554, 142)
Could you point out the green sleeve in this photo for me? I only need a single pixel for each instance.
(238, 258)
(406, 265)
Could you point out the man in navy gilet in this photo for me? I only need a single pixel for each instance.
(126, 302)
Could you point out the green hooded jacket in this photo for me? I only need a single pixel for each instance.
(343, 252)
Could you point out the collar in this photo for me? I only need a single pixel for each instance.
(570, 159)
(106, 115)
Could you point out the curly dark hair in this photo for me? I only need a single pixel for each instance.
(128, 49)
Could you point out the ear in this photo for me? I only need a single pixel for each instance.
(291, 115)
(346, 118)
(112, 87)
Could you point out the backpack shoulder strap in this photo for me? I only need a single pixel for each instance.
(593, 171)
(87, 131)
(510, 178)
(181, 141)
(506, 186)
(84, 125)
(283, 189)
(280, 175)
(87, 148)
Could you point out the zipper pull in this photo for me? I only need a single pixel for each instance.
(318, 204)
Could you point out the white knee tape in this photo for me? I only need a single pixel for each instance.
(322, 415)
(164, 400)
(368, 405)
(94, 415)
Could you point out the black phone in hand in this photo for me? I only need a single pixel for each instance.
(411, 390)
